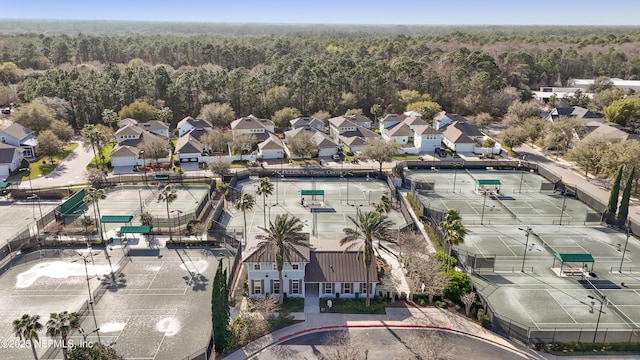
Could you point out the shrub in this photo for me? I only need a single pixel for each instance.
(441, 304)
(458, 284)
(353, 306)
(484, 319)
(414, 205)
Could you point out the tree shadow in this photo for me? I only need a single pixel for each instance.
(116, 283)
(198, 282)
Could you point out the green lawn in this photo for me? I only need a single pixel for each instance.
(43, 166)
(353, 306)
(406, 157)
(292, 304)
(305, 162)
(106, 150)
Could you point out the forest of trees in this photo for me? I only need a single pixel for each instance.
(468, 70)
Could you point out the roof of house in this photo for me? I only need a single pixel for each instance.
(321, 139)
(338, 266)
(454, 117)
(392, 118)
(400, 129)
(17, 131)
(271, 143)
(460, 132)
(414, 121)
(154, 125)
(250, 122)
(353, 140)
(575, 112)
(267, 254)
(198, 133)
(306, 121)
(129, 130)
(341, 121)
(594, 129)
(188, 144)
(413, 113)
(7, 152)
(124, 150)
(198, 123)
(127, 121)
(359, 119)
(361, 132)
(144, 137)
(426, 129)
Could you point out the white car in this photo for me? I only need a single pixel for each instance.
(336, 157)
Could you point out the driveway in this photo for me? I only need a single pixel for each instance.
(71, 170)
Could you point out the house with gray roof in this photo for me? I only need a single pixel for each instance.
(252, 125)
(574, 112)
(307, 122)
(10, 159)
(326, 145)
(19, 136)
(128, 150)
(185, 125)
(343, 131)
(271, 148)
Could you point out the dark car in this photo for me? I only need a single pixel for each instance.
(441, 152)
(6, 111)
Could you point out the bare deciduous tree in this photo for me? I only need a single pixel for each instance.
(425, 275)
(341, 346)
(468, 299)
(427, 345)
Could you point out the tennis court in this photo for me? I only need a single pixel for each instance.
(324, 216)
(511, 252)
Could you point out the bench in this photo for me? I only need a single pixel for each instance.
(572, 272)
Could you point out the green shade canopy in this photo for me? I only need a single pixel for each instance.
(116, 219)
(161, 177)
(312, 192)
(575, 258)
(135, 229)
(4, 184)
(487, 182)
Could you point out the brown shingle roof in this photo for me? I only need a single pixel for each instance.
(17, 131)
(337, 266)
(400, 129)
(426, 129)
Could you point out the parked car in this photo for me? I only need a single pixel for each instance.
(441, 152)
(6, 111)
(336, 157)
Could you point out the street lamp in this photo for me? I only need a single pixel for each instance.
(564, 200)
(455, 173)
(269, 207)
(179, 214)
(526, 245)
(144, 165)
(369, 191)
(521, 176)
(85, 259)
(29, 176)
(345, 175)
(35, 196)
(602, 300)
(483, 205)
(140, 198)
(278, 175)
(86, 334)
(625, 247)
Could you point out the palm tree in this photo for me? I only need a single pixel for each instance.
(59, 325)
(26, 328)
(282, 236)
(453, 230)
(265, 188)
(246, 202)
(92, 197)
(86, 222)
(384, 205)
(96, 138)
(168, 195)
(368, 226)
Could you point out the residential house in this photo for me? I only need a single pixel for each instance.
(443, 118)
(10, 159)
(260, 128)
(330, 274)
(153, 126)
(185, 125)
(360, 120)
(345, 132)
(271, 148)
(426, 139)
(548, 92)
(19, 136)
(127, 151)
(463, 137)
(189, 148)
(575, 112)
(586, 84)
(326, 146)
(411, 132)
(307, 122)
(262, 273)
(596, 129)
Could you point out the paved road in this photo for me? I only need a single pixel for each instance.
(389, 343)
(71, 170)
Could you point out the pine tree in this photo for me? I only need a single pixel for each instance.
(626, 196)
(220, 309)
(613, 196)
